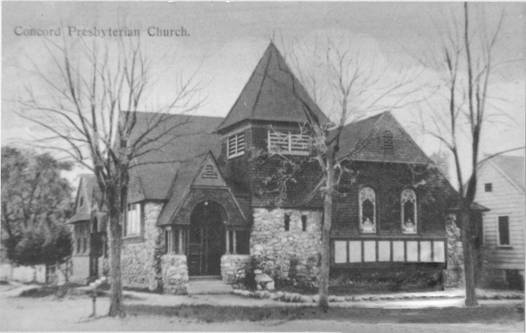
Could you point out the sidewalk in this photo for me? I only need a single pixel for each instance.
(431, 299)
(449, 298)
(288, 297)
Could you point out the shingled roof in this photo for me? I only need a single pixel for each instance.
(189, 138)
(272, 93)
(362, 141)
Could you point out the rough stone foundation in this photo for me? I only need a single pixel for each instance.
(291, 255)
(174, 273)
(233, 267)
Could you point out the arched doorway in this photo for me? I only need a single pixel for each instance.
(206, 239)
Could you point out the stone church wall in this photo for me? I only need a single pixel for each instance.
(291, 255)
(138, 253)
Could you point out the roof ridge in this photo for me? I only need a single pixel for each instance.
(506, 175)
(409, 136)
(379, 115)
(371, 133)
(265, 72)
(267, 98)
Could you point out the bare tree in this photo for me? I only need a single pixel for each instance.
(89, 102)
(346, 79)
(466, 56)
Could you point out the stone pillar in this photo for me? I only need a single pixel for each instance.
(174, 273)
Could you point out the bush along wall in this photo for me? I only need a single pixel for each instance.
(406, 278)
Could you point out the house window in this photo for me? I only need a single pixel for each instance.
(304, 222)
(235, 145)
(367, 210)
(78, 245)
(81, 202)
(133, 220)
(287, 222)
(288, 143)
(488, 187)
(408, 211)
(388, 142)
(504, 231)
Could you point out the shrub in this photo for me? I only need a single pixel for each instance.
(41, 245)
(250, 277)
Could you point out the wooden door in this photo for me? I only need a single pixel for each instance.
(195, 251)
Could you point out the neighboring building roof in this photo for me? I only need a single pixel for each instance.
(362, 141)
(474, 206)
(88, 190)
(187, 137)
(272, 93)
(512, 167)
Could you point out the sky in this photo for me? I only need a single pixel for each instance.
(226, 40)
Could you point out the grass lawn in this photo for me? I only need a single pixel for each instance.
(207, 313)
(36, 311)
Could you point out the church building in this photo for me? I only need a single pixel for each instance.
(244, 189)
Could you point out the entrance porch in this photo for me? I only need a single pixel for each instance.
(208, 246)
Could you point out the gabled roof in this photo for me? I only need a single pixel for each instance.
(190, 175)
(272, 93)
(88, 190)
(187, 137)
(180, 188)
(512, 167)
(362, 141)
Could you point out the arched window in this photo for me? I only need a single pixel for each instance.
(408, 211)
(367, 210)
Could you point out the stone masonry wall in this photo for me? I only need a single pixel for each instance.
(138, 253)
(174, 273)
(233, 267)
(287, 255)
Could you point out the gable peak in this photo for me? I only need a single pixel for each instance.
(272, 93)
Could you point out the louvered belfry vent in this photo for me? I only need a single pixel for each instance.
(388, 142)
(209, 172)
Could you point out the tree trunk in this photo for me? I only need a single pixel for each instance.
(323, 291)
(469, 267)
(115, 240)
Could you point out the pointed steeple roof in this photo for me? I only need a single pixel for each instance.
(272, 93)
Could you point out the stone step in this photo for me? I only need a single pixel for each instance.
(205, 277)
(208, 287)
